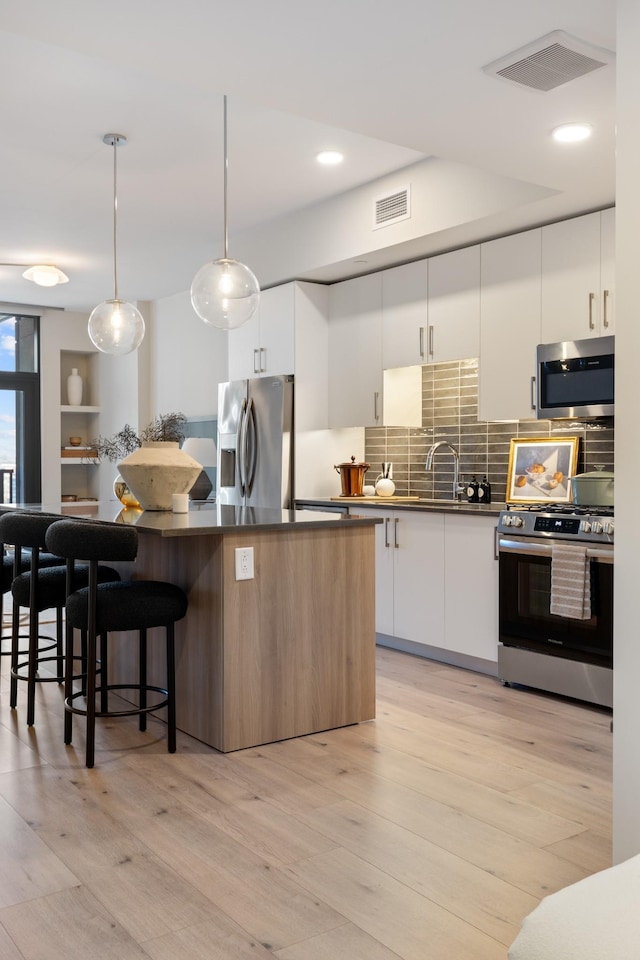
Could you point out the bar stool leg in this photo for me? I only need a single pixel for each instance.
(171, 689)
(59, 645)
(34, 629)
(91, 697)
(15, 642)
(142, 678)
(104, 674)
(68, 683)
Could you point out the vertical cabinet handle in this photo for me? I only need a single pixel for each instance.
(430, 341)
(533, 393)
(421, 343)
(395, 533)
(375, 405)
(386, 531)
(256, 361)
(263, 350)
(592, 324)
(496, 536)
(605, 308)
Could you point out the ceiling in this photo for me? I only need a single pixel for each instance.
(390, 85)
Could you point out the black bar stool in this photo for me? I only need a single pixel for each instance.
(102, 608)
(38, 589)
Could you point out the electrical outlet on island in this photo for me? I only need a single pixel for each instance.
(244, 563)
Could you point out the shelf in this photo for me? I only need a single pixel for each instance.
(65, 408)
(82, 461)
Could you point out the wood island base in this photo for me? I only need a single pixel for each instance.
(288, 653)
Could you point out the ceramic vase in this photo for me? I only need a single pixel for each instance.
(156, 471)
(74, 388)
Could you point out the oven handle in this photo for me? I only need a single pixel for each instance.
(532, 547)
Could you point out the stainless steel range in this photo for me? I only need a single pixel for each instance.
(560, 653)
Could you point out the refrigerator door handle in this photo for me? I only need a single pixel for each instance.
(240, 446)
(251, 446)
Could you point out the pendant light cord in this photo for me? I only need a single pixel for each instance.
(115, 217)
(226, 175)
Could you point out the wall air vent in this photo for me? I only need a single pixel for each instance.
(549, 62)
(395, 206)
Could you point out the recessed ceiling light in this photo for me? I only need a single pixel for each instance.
(329, 157)
(572, 132)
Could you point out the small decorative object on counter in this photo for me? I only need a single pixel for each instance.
(351, 477)
(368, 490)
(484, 491)
(473, 490)
(74, 388)
(385, 487)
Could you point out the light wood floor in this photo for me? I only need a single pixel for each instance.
(428, 833)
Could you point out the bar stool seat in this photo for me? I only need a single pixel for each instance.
(39, 589)
(102, 608)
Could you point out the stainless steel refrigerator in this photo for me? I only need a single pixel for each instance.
(255, 442)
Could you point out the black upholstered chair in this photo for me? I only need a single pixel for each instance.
(102, 608)
(38, 589)
(15, 562)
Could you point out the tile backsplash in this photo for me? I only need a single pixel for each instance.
(450, 412)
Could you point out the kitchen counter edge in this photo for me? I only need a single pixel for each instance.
(388, 503)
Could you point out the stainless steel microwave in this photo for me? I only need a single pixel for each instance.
(575, 379)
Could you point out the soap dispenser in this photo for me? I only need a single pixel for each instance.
(473, 490)
(484, 491)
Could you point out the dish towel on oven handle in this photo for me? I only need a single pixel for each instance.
(570, 581)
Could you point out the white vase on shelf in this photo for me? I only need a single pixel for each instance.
(74, 388)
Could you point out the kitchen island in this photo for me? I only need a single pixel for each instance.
(286, 653)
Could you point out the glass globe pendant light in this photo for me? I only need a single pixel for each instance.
(116, 326)
(225, 293)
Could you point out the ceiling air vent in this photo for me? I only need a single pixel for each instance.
(395, 206)
(549, 62)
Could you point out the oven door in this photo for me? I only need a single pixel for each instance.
(525, 596)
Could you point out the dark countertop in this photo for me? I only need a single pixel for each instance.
(390, 503)
(203, 518)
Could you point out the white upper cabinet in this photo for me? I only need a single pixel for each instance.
(578, 277)
(265, 344)
(404, 315)
(355, 352)
(509, 326)
(453, 330)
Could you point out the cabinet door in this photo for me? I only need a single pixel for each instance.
(571, 304)
(607, 271)
(355, 352)
(384, 567)
(243, 346)
(471, 586)
(418, 585)
(404, 315)
(509, 326)
(454, 305)
(277, 337)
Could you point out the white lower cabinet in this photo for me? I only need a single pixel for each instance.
(471, 586)
(437, 580)
(409, 574)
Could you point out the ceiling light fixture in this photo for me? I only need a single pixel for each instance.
(329, 157)
(225, 293)
(44, 274)
(116, 326)
(572, 132)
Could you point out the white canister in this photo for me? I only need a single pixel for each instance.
(74, 388)
(385, 487)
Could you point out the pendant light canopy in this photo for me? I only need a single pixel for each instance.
(225, 293)
(116, 326)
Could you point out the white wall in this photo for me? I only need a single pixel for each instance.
(626, 693)
(188, 358)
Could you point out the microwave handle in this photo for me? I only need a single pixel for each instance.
(533, 393)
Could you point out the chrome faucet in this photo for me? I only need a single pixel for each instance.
(457, 488)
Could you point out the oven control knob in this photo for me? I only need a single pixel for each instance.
(516, 521)
(607, 527)
(585, 526)
(597, 527)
